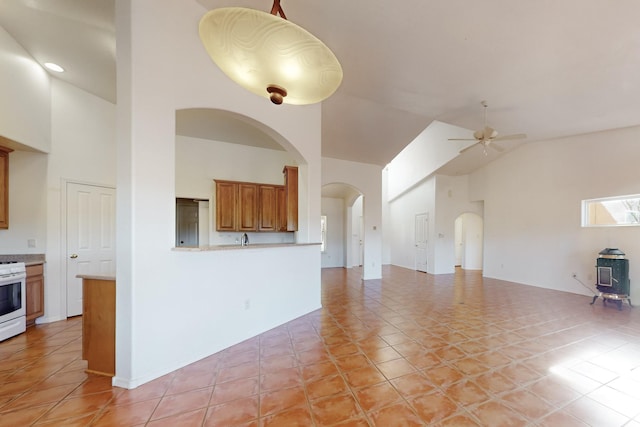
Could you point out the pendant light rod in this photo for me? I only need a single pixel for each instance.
(277, 9)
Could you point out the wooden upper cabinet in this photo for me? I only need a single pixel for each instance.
(4, 187)
(247, 207)
(250, 206)
(291, 190)
(281, 208)
(226, 200)
(267, 207)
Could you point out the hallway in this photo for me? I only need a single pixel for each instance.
(410, 349)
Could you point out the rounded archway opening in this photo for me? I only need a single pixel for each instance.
(469, 241)
(342, 219)
(213, 144)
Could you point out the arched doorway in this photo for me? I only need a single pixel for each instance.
(469, 241)
(342, 222)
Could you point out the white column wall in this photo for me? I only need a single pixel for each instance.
(174, 307)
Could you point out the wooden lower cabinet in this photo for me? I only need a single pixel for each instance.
(35, 293)
(99, 325)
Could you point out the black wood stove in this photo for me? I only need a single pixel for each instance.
(612, 272)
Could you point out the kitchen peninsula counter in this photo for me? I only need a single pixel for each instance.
(236, 246)
(99, 323)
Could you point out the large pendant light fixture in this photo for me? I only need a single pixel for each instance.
(269, 55)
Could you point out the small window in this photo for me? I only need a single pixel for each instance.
(611, 211)
(323, 231)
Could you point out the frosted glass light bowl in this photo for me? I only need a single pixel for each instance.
(270, 56)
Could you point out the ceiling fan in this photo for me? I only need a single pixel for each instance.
(487, 135)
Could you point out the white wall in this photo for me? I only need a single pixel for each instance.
(334, 210)
(355, 218)
(451, 200)
(386, 219)
(82, 150)
(419, 199)
(367, 179)
(25, 119)
(424, 155)
(532, 209)
(78, 131)
(154, 333)
(199, 162)
(25, 109)
(443, 198)
(470, 232)
(27, 204)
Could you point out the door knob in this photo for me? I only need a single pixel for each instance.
(73, 256)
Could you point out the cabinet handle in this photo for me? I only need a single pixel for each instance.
(73, 256)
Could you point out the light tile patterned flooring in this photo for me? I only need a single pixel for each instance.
(408, 350)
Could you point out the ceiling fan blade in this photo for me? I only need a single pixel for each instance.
(469, 147)
(514, 136)
(496, 147)
(461, 139)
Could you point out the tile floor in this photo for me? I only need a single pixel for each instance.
(408, 350)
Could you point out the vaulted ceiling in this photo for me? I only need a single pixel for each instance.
(547, 68)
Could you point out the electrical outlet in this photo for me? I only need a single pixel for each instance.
(247, 304)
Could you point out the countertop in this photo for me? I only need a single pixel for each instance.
(236, 246)
(95, 277)
(30, 263)
(28, 259)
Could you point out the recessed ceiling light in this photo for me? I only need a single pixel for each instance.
(54, 67)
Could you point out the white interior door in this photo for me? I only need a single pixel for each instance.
(421, 238)
(91, 235)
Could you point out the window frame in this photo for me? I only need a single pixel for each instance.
(586, 217)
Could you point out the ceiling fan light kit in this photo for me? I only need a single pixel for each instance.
(269, 55)
(487, 135)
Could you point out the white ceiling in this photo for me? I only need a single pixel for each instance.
(547, 68)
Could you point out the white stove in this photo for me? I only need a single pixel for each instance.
(12, 299)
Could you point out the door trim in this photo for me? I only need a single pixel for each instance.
(63, 237)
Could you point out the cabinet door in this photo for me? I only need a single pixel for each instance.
(35, 293)
(4, 188)
(247, 207)
(226, 200)
(291, 187)
(267, 208)
(281, 208)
